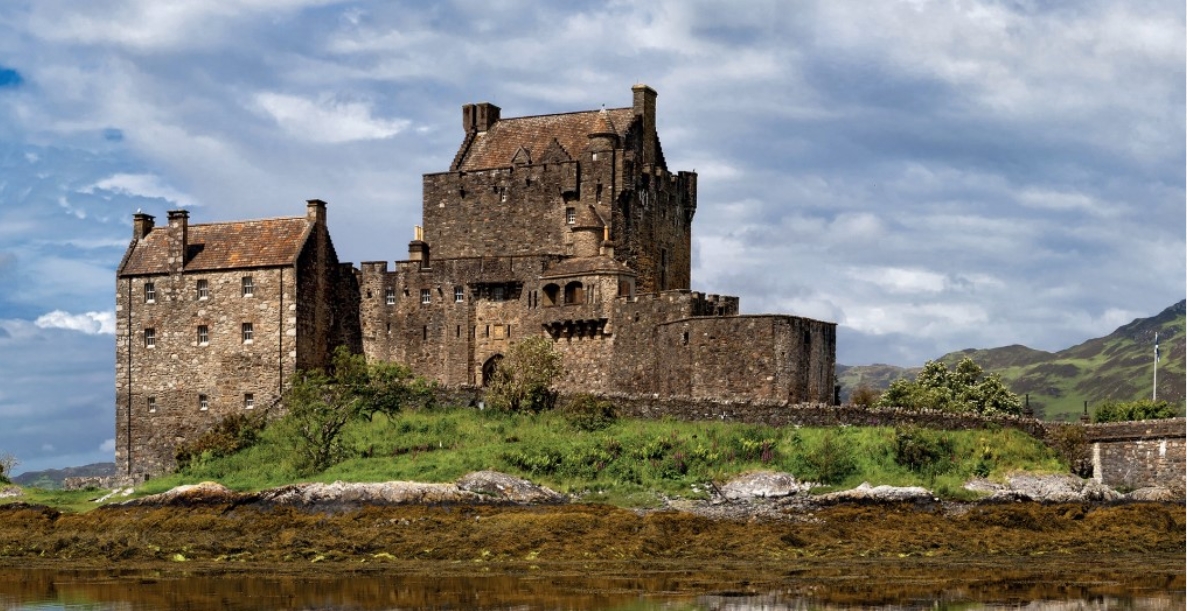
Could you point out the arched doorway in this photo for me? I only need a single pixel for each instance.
(489, 368)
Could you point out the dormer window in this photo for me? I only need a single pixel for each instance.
(249, 287)
(150, 292)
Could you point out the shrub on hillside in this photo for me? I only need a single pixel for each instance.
(924, 451)
(524, 378)
(865, 396)
(8, 462)
(828, 461)
(964, 389)
(231, 434)
(1142, 409)
(1071, 442)
(585, 412)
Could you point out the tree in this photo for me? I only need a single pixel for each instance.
(8, 462)
(321, 404)
(525, 376)
(1141, 409)
(964, 389)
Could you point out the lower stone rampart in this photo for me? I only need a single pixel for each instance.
(1137, 454)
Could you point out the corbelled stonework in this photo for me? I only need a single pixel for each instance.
(568, 226)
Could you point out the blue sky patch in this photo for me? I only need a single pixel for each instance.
(10, 77)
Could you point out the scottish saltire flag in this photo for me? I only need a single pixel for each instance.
(1156, 348)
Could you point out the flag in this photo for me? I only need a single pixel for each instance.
(1155, 348)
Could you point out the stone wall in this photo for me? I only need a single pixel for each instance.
(1136, 454)
(160, 389)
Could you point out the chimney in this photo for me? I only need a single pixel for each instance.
(479, 117)
(142, 224)
(644, 107)
(179, 228)
(418, 249)
(315, 211)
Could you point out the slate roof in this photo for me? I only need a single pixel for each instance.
(223, 246)
(496, 147)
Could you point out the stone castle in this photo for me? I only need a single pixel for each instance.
(568, 226)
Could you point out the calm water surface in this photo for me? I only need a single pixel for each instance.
(1081, 584)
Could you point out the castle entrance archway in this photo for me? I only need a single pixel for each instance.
(489, 368)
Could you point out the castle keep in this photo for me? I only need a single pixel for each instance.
(568, 226)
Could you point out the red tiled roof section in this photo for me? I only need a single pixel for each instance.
(218, 246)
(497, 146)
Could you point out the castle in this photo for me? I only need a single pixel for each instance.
(568, 226)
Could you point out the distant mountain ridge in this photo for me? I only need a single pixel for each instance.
(1118, 366)
(51, 479)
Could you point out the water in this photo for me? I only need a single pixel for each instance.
(1059, 585)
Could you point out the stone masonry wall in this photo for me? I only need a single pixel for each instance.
(1136, 454)
(162, 408)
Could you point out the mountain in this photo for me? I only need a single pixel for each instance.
(51, 479)
(1118, 366)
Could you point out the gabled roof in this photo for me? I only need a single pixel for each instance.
(222, 246)
(496, 147)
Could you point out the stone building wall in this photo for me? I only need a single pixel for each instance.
(178, 369)
(1136, 454)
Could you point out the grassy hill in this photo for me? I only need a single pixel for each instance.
(1118, 366)
(51, 479)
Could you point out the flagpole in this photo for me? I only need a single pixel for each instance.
(1154, 395)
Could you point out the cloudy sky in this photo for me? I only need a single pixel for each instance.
(930, 175)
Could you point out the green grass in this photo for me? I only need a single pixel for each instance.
(631, 462)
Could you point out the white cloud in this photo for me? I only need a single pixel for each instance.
(139, 185)
(108, 445)
(91, 323)
(327, 120)
(900, 280)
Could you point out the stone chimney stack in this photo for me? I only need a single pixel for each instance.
(418, 249)
(479, 117)
(644, 107)
(179, 229)
(315, 211)
(142, 224)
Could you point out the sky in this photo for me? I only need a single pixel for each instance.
(929, 175)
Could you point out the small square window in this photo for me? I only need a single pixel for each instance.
(249, 401)
(248, 333)
(459, 294)
(496, 293)
(203, 289)
(203, 335)
(570, 216)
(152, 405)
(389, 295)
(150, 338)
(426, 296)
(150, 292)
(248, 286)
(203, 403)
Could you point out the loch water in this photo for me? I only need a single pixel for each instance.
(1066, 584)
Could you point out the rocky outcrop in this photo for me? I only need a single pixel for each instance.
(1054, 488)
(865, 493)
(762, 485)
(508, 488)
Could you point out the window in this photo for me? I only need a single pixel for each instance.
(203, 335)
(203, 290)
(247, 333)
(150, 338)
(203, 403)
(248, 287)
(570, 216)
(551, 293)
(426, 296)
(574, 293)
(152, 405)
(459, 294)
(249, 401)
(496, 293)
(150, 293)
(389, 295)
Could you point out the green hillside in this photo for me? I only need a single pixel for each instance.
(1119, 366)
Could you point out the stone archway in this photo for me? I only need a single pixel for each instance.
(489, 368)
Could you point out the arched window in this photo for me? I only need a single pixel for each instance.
(489, 368)
(551, 294)
(574, 293)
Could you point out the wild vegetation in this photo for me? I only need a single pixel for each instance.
(1142, 409)
(964, 389)
(8, 462)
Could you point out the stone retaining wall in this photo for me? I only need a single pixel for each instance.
(1137, 454)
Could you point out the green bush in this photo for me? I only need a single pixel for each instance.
(828, 461)
(964, 389)
(924, 451)
(586, 412)
(1125, 411)
(524, 378)
(230, 435)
